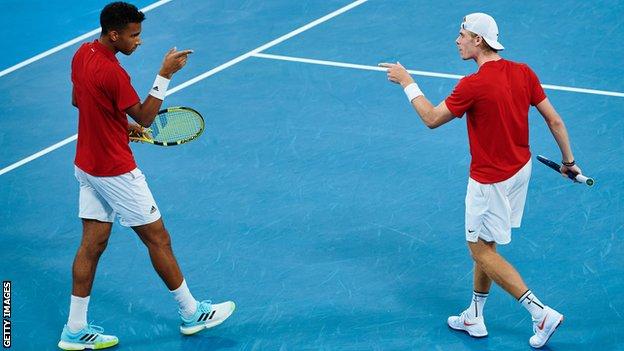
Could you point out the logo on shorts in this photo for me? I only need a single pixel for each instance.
(153, 209)
(470, 231)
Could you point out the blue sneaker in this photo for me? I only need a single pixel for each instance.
(206, 316)
(90, 337)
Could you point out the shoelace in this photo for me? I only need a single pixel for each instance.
(95, 329)
(202, 306)
(535, 327)
(205, 305)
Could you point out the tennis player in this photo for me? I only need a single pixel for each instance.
(110, 182)
(496, 101)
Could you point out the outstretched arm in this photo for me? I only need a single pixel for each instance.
(432, 116)
(560, 133)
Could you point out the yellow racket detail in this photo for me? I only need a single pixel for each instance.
(172, 126)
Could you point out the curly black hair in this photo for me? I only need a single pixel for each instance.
(117, 15)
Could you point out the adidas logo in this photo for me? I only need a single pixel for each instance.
(153, 209)
(89, 337)
(155, 88)
(205, 316)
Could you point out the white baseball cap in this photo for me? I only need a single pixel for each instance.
(484, 25)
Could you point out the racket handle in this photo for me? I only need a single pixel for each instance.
(579, 178)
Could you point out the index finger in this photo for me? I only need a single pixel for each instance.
(182, 53)
(385, 64)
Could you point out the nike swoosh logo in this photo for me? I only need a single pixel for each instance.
(470, 231)
(541, 326)
(468, 324)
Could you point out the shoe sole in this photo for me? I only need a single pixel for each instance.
(467, 332)
(65, 345)
(196, 329)
(549, 335)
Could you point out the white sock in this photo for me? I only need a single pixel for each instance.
(532, 304)
(186, 302)
(476, 306)
(78, 313)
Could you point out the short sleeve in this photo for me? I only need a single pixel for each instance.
(117, 86)
(461, 99)
(535, 88)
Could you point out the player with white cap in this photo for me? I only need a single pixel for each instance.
(496, 101)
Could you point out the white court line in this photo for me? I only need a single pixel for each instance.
(257, 50)
(69, 43)
(424, 73)
(203, 76)
(38, 154)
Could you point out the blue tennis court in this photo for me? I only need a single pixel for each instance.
(316, 199)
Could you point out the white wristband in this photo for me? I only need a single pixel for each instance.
(412, 91)
(159, 89)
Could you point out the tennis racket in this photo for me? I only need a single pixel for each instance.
(579, 178)
(172, 126)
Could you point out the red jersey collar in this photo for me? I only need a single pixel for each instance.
(104, 50)
(493, 62)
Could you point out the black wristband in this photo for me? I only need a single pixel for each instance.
(568, 164)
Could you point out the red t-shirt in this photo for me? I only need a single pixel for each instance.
(103, 92)
(496, 100)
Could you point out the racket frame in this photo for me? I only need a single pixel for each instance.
(172, 143)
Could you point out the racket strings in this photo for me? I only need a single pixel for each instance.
(175, 125)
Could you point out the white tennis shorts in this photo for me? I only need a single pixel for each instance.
(493, 209)
(126, 195)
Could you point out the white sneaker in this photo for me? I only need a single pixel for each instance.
(545, 327)
(89, 337)
(206, 316)
(475, 327)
